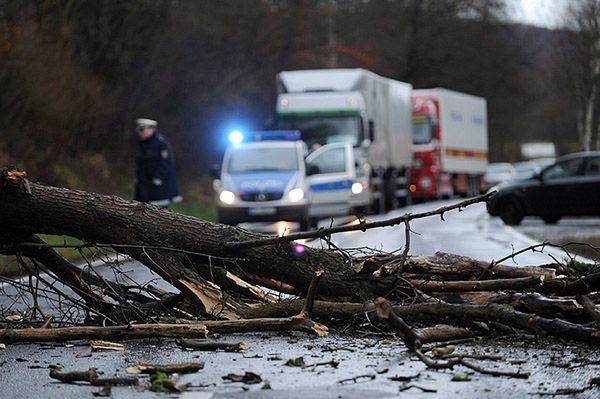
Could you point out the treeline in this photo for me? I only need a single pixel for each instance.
(75, 73)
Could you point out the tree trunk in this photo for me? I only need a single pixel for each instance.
(178, 248)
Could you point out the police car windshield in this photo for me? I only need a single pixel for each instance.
(262, 159)
(325, 129)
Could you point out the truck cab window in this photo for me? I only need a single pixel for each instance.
(325, 129)
(422, 130)
(330, 161)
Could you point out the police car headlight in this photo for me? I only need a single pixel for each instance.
(296, 195)
(227, 197)
(425, 182)
(357, 188)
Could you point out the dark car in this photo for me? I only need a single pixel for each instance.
(569, 187)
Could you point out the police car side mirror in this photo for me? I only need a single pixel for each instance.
(312, 170)
(215, 170)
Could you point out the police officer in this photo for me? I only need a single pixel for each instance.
(156, 181)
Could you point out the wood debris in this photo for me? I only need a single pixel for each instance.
(177, 368)
(105, 345)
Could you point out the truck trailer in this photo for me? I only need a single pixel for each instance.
(355, 106)
(450, 144)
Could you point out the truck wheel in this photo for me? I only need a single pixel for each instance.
(511, 211)
(551, 219)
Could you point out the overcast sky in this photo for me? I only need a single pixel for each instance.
(546, 13)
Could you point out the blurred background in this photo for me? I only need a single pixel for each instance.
(74, 74)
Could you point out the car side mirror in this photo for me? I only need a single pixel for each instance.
(540, 177)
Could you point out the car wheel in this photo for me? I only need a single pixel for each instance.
(552, 219)
(511, 211)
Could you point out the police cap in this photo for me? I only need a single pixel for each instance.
(143, 122)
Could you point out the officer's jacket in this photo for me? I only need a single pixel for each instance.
(156, 181)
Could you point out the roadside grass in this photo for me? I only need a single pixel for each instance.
(198, 201)
(203, 210)
(9, 265)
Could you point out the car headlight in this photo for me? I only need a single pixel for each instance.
(227, 197)
(357, 188)
(296, 195)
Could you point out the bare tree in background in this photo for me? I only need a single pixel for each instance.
(584, 53)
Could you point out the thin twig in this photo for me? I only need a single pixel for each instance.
(355, 227)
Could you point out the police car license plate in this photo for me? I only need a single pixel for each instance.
(261, 211)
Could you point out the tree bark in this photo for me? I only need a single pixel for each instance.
(178, 248)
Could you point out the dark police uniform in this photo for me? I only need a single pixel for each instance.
(156, 181)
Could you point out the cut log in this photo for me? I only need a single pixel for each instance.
(211, 345)
(516, 284)
(91, 376)
(589, 306)
(449, 265)
(428, 312)
(112, 332)
(529, 301)
(188, 330)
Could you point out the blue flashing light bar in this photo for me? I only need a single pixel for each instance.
(236, 137)
(270, 135)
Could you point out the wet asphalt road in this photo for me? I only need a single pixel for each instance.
(25, 368)
(576, 228)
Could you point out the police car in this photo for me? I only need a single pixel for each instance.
(269, 176)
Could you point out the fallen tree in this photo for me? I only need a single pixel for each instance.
(217, 271)
(184, 251)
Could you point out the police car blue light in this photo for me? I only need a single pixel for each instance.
(236, 137)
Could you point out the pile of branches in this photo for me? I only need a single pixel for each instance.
(224, 279)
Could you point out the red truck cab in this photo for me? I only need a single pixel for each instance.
(427, 179)
(449, 144)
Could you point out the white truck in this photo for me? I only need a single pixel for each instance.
(450, 144)
(355, 106)
(269, 176)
